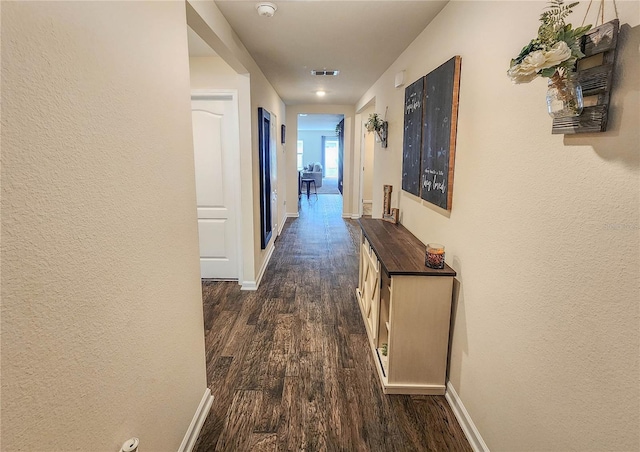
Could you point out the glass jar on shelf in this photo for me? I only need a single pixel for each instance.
(435, 256)
(564, 95)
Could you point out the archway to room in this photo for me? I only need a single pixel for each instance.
(320, 154)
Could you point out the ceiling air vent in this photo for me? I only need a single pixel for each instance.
(324, 72)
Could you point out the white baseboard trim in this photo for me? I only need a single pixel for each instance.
(347, 216)
(293, 215)
(248, 285)
(253, 285)
(193, 431)
(355, 216)
(282, 222)
(461, 413)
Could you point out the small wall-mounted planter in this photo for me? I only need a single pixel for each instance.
(381, 135)
(595, 80)
(380, 127)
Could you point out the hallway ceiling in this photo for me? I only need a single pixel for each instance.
(319, 121)
(361, 39)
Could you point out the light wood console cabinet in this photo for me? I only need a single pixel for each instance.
(405, 305)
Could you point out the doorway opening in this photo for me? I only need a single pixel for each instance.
(320, 152)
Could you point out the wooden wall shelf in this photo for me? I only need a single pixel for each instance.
(595, 81)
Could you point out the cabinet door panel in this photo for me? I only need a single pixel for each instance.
(370, 292)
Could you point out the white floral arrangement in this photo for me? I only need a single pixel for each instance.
(554, 51)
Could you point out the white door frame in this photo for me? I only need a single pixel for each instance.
(363, 138)
(230, 94)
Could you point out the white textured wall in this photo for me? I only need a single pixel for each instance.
(102, 330)
(544, 234)
(313, 144)
(263, 95)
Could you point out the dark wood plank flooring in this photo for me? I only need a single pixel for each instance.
(289, 365)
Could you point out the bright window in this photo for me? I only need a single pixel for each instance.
(331, 157)
(299, 154)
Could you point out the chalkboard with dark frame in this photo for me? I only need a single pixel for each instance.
(439, 127)
(413, 101)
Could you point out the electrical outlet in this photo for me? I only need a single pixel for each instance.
(130, 445)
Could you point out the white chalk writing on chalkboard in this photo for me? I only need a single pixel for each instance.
(435, 184)
(413, 104)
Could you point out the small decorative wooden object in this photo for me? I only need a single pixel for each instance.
(389, 214)
(595, 81)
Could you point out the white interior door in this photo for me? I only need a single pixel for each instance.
(215, 138)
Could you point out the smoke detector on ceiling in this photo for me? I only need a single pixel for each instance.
(266, 9)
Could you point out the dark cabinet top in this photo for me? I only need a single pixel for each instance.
(398, 250)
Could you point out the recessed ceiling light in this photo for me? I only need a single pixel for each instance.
(320, 93)
(266, 9)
